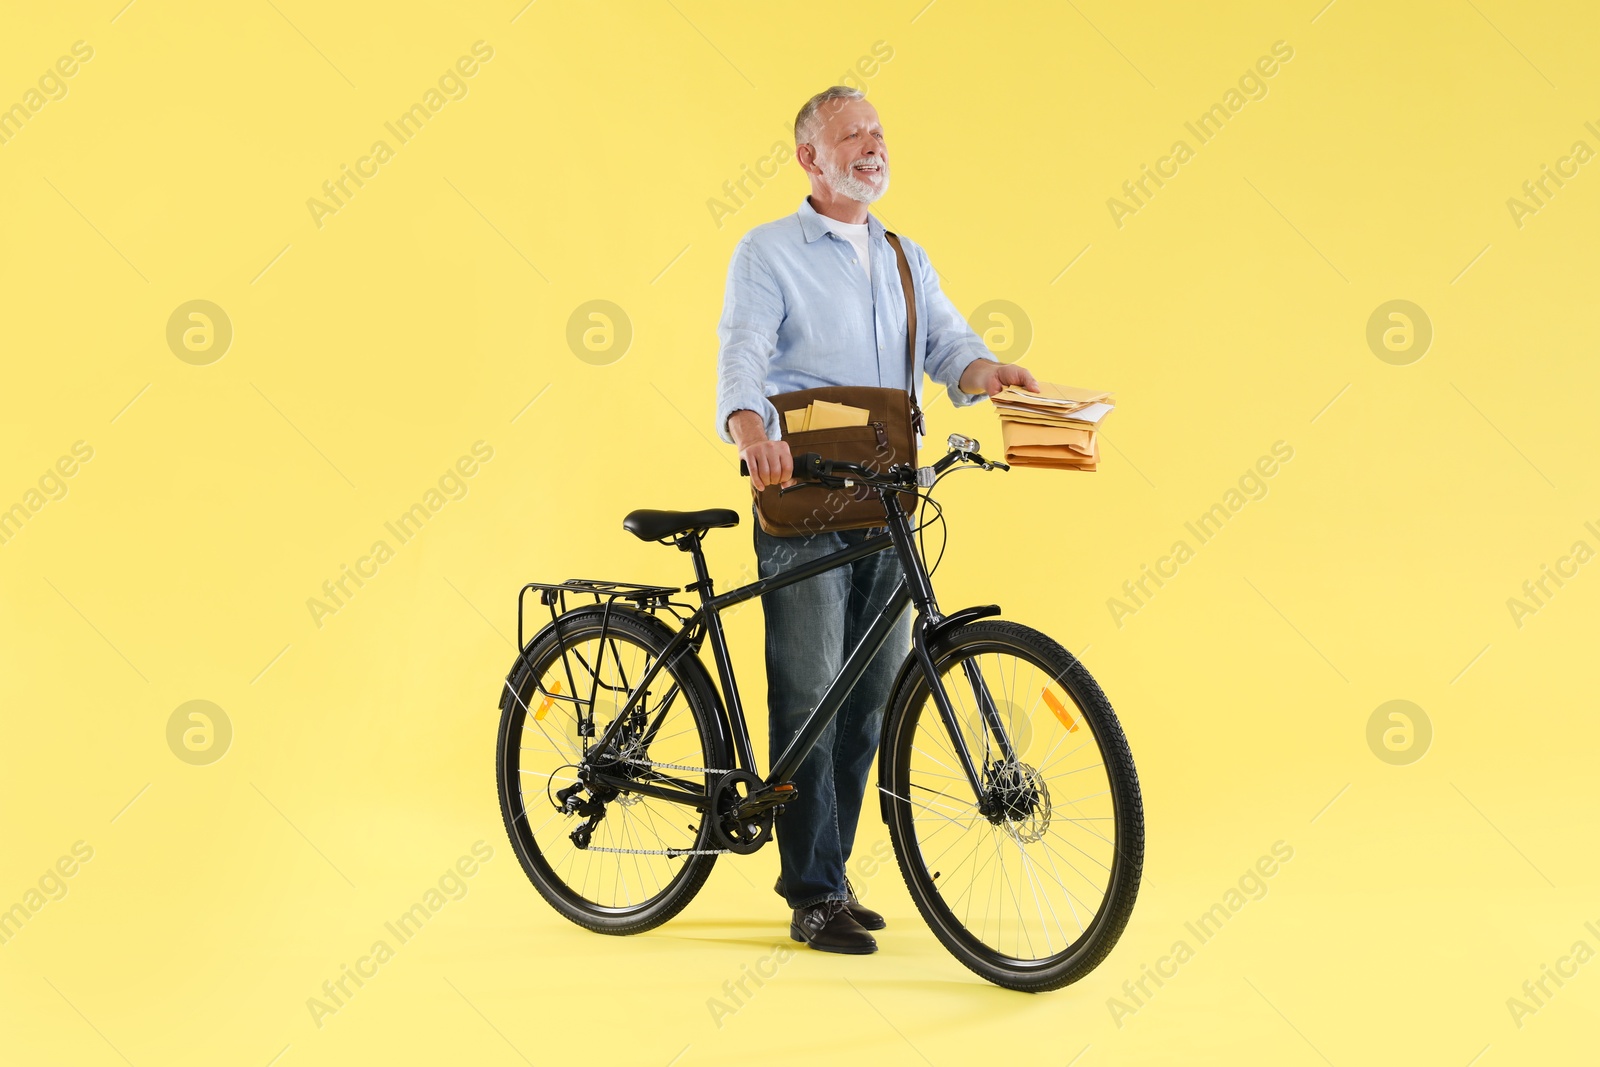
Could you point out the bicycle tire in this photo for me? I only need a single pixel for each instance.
(519, 694)
(911, 699)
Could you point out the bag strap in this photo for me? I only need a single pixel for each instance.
(911, 329)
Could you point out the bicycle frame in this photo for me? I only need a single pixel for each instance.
(915, 589)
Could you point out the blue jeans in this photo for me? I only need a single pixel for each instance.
(812, 626)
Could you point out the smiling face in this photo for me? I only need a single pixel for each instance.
(847, 151)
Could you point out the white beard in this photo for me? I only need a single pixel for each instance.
(842, 180)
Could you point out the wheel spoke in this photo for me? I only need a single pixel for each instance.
(1024, 879)
(666, 726)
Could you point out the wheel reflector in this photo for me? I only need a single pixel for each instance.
(1061, 712)
(555, 687)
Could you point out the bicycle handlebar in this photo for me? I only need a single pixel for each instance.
(812, 469)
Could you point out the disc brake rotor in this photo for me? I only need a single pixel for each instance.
(1019, 801)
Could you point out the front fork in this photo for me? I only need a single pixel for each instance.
(928, 633)
(986, 711)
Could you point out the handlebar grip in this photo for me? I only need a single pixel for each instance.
(805, 466)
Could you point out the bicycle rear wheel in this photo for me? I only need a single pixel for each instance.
(643, 859)
(1031, 883)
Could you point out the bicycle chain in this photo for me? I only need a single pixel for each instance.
(671, 853)
(673, 766)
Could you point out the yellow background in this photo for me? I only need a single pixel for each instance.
(369, 353)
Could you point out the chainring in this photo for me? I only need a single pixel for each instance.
(739, 836)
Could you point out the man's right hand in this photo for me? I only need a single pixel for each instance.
(770, 463)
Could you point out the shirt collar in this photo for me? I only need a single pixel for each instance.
(812, 226)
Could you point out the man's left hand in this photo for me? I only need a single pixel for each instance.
(999, 375)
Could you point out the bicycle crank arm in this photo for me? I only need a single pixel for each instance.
(771, 796)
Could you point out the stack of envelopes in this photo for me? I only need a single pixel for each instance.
(1053, 428)
(824, 415)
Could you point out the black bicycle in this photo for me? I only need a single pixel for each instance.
(1003, 775)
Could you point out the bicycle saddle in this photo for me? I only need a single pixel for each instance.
(650, 525)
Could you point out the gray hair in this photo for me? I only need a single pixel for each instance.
(805, 123)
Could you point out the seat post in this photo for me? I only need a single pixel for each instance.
(690, 543)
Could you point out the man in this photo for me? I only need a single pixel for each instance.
(815, 299)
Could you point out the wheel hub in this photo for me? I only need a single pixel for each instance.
(1017, 800)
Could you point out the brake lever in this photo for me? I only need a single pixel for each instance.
(987, 464)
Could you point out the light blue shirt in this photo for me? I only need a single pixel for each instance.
(799, 313)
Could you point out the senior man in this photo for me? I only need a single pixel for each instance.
(815, 299)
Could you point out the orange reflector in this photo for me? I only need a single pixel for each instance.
(544, 705)
(786, 787)
(1061, 712)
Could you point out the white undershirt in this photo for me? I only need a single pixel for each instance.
(856, 234)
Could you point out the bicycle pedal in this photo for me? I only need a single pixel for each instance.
(773, 796)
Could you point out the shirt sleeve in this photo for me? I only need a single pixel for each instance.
(952, 346)
(752, 310)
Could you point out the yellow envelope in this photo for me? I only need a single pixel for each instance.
(824, 415)
(1052, 395)
(1007, 415)
(1053, 440)
(828, 416)
(1052, 459)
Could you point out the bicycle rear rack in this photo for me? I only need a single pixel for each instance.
(554, 596)
(651, 598)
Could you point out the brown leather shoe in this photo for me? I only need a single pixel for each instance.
(828, 927)
(865, 916)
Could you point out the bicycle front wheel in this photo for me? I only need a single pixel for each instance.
(1030, 882)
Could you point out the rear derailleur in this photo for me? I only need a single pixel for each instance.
(592, 808)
